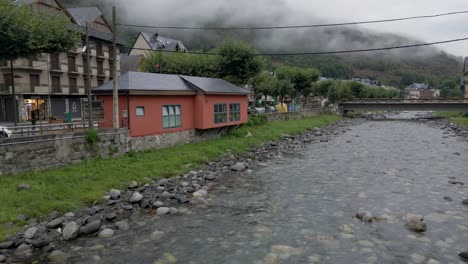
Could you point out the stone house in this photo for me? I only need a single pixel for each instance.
(155, 104)
(54, 84)
(154, 42)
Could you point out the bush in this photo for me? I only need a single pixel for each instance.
(92, 137)
(257, 120)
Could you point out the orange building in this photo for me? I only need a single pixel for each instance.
(152, 104)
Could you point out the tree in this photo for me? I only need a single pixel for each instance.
(282, 88)
(238, 62)
(25, 33)
(302, 78)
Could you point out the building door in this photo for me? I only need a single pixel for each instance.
(56, 84)
(34, 81)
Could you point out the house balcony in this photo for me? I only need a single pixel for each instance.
(26, 65)
(24, 89)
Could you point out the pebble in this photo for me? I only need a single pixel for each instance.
(173, 210)
(166, 195)
(127, 207)
(448, 199)
(106, 233)
(133, 185)
(70, 231)
(30, 233)
(346, 229)
(69, 215)
(158, 204)
(57, 256)
(115, 194)
(200, 194)
(239, 166)
(91, 227)
(163, 211)
(465, 202)
(122, 225)
(55, 223)
(23, 187)
(136, 197)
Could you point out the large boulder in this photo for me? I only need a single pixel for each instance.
(70, 231)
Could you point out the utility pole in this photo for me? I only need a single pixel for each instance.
(88, 80)
(115, 88)
(13, 91)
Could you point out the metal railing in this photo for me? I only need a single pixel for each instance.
(45, 129)
(402, 100)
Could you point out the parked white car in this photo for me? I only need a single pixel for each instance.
(5, 132)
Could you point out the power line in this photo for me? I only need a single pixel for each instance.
(323, 52)
(299, 26)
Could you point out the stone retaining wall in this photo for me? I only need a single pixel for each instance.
(292, 115)
(162, 140)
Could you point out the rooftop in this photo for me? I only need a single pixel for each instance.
(158, 42)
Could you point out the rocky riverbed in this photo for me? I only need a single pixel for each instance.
(374, 192)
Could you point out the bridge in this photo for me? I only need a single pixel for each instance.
(450, 104)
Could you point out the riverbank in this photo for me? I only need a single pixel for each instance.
(78, 186)
(458, 118)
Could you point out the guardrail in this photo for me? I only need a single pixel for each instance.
(422, 100)
(45, 129)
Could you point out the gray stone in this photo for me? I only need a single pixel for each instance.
(416, 225)
(166, 195)
(211, 176)
(55, 223)
(182, 199)
(136, 197)
(122, 225)
(7, 245)
(163, 211)
(23, 187)
(111, 216)
(239, 166)
(158, 204)
(364, 216)
(106, 233)
(464, 255)
(69, 215)
(90, 228)
(2, 258)
(465, 202)
(173, 210)
(22, 217)
(456, 183)
(127, 207)
(200, 194)
(30, 233)
(70, 231)
(115, 194)
(39, 243)
(448, 199)
(184, 184)
(133, 185)
(24, 251)
(57, 256)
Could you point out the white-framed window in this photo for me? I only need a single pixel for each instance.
(234, 112)
(140, 111)
(172, 116)
(220, 113)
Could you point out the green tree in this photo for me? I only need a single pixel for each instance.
(25, 33)
(282, 88)
(238, 62)
(264, 85)
(358, 89)
(302, 78)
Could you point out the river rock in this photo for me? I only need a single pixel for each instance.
(90, 228)
(456, 183)
(30, 233)
(433, 261)
(364, 216)
(122, 225)
(70, 231)
(211, 176)
(69, 215)
(346, 229)
(24, 251)
(22, 218)
(23, 187)
(448, 199)
(239, 166)
(2, 258)
(127, 207)
(115, 194)
(57, 256)
(166, 195)
(55, 223)
(106, 233)
(163, 211)
(463, 255)
(111, 216)
(133, 185)
(416, 225)
(173, 210)
(465, 202)
(285, 252)
(200, 194)
(158, 204)
(39, 243)
(7, 245)
(136, 197)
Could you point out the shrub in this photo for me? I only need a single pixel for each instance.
(257, 120)
(92, 137)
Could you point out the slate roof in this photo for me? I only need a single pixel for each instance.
(143, 81)
(163, 43)
(84, 14)
(130, 63)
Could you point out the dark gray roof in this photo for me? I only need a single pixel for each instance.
(163, 43)
(211, 85)
(143, 81)
(84, 14)
(130, 63)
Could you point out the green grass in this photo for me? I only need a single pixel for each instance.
(459, 118)
(76, 186)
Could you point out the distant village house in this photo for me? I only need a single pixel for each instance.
(154, 42)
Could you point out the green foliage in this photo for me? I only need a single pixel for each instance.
(92, 137)
(181, 63)
(302, 78)
(257, 120)
(451, 88)
(337, 90)
(77, 186)
(25, 33)
(238, 62)
(459, 118)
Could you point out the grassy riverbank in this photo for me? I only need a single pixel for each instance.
(79, 185)
(459, 118)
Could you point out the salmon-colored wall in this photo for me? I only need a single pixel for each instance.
(205, 105)
(152, 122)
(197, 112)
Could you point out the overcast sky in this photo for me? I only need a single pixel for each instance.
(432, 29)
(291, 12)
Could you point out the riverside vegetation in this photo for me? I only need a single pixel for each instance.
(80, 185)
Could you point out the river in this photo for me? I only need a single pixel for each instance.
(301, 208)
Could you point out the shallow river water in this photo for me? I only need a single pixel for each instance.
(301, 209)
